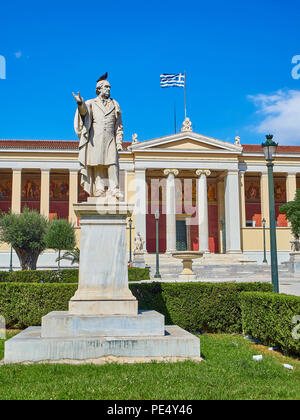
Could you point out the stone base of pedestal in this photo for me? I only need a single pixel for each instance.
(103, 307)
(63, 324)
(29, 346)
(294, 264)
(139, 260)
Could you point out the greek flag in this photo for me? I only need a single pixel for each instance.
(170, 80)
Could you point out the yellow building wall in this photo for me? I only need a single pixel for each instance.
(253, 239)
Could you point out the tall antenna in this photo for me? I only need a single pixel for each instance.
(185, 93)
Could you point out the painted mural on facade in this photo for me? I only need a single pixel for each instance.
(5, 187)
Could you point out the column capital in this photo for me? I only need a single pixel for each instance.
(233, 172)
(171, 171)
(205, 172)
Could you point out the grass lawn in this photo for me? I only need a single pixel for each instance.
(228, 372)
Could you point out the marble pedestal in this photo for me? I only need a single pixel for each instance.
(103, 271)
(64, 324)
(28, 346)
(139, 259)
(294, 263)
(103, 318)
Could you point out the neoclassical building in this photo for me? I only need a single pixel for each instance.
(211, 195)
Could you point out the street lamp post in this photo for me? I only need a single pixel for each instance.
(223, 235)
(130, 240)
(269, 148)
(264, 234)
(157, 274)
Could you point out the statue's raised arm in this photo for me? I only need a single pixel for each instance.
(81, 104)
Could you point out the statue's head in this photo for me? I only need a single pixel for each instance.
(103, 89)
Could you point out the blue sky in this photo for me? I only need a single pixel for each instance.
(237, 56)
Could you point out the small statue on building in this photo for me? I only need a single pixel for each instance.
(134, 138)
(237, 141)
(187, 125)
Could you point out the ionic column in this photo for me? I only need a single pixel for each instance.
(232, 213)
(264, 198)
(202, 209)
(243, 199)
(129, 198)
(140, 208)
(171, 209)
(221, 211)
(45, 191)
(291, 187)
(16, 191)
(73, 195)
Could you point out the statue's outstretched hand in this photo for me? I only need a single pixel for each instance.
(78, 98)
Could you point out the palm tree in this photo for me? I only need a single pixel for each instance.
(72, 256)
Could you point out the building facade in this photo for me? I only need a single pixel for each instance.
(211, 195)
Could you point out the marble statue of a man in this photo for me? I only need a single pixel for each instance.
(98, 124)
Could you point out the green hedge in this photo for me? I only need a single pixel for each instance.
(268, 318)
(24, 304)
(137, 274)
(205, 307)
(62, 276)
(40, 276)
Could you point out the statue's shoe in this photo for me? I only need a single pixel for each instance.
(100, 193)
(116, 193)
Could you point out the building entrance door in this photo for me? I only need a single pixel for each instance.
(181, 236)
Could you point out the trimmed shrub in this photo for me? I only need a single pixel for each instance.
(137, 274)
(62, 276)
(24, 304)
(41, 276)
(268, 317)
(205, 307)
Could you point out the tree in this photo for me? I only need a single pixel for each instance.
(292, 212)
(60, 236)
(25, 232)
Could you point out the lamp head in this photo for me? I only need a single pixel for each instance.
(269, 148)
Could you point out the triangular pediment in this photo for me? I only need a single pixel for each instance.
(187, 144)
(187, 141)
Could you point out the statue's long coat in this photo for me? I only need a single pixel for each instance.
(100, 131)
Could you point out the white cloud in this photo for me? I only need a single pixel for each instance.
(280, 113)
(18, 54)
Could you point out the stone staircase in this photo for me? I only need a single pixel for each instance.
(215, 267)
(208, 259)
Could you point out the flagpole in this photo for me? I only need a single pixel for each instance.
(185, 93)
(175, 123)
